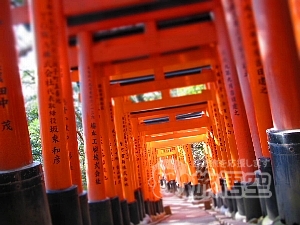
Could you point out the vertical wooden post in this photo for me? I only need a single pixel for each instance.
(68, 102)
(131, 149)
(212, 164)
(245, 29)
(232, 152)
(104, 140)
(107, 157)
(58, 180)
(255, 70)
(137, 148)
(100, 206)
(145, 176)
(281, 67)
(182, 167)
(239, 55)
(191, 165)
(21, 179)
(56, 161)
(69, 111)
(14, 130)
(125, 159)
(284, 107)
(113, 139)
(225, 168)
(237, 109)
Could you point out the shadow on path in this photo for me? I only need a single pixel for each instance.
(185, 213)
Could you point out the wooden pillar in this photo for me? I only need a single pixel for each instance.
(131, 149)
(226, 123)
(46, 21)
(120, 120)
(255, 70)
(212, 164)
(281, 67)
(145, 172)
(280, 61)
(234, 30)
(69, 112)
(95, 176)
(21, 179)
(112, 135)
(125, 157)
(50, 96)
(234, 95)
(104, 139)
(182, 167)
(99, 204)
(191, 165)
(15, 150)
(225, 169)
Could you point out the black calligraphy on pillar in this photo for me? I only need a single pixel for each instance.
(254, 44)
(51, 72)
(6, 124)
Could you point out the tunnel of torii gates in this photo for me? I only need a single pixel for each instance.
(244, 52)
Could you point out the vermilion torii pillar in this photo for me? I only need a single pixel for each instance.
(137, 147)
(116, 166)
(235, 38)
(125, 159)
(51, 115)
(232, 152)
(21, 180)
(107, 154)
(234, 95)
(255, 70)
(69, 112)
(281, 67)
(226, 171)
(100, 206)
(252, 79)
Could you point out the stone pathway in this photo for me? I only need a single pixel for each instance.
(185, 213)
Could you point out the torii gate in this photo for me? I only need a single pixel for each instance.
(121, 42)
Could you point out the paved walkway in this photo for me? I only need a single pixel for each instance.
(185, 213)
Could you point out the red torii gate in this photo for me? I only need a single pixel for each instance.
(122, 42)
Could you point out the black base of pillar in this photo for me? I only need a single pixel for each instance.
(260, 191)
(64, 206)
(285, 155)
(238, 195)
(171, 186)
(214, 198)
(116, 211)
(251, 201)
(187, 189)
(125, 212)
(161, 205)
(231, 202)
(134, 212)
(153, 211)
(157, 207)
(142, 203)
(147, 207)
(270, 201)
(84, 207)
(139, 203)
(198, 191)
(223, 193)
(100, 212)
(23, 197)
(219, 200)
